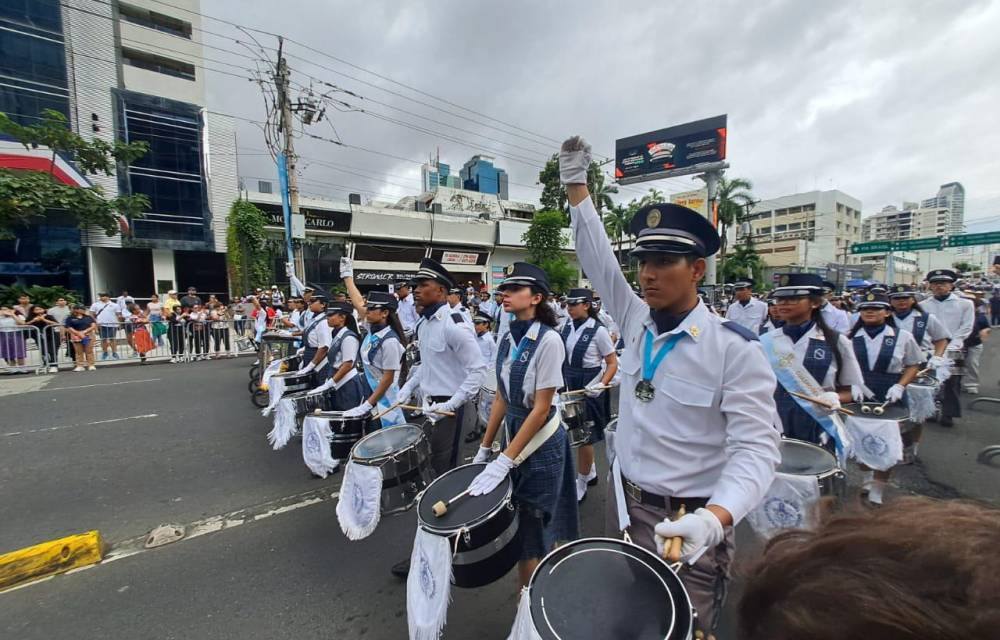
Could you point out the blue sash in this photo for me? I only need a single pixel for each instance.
(388, 399)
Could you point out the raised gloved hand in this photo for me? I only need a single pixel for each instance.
(831, 399)
(362, 409)
(699, 530)
(482, 455)
(574, 160)
(895, 393)
(593, 390)
(346, 268)
(491, 477)
(306, 368)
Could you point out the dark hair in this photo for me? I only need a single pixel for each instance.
(592, 312)
(543, 312)
(396, 325)
(349, 321)
(857, 325)
(916, 568)
(832, 338)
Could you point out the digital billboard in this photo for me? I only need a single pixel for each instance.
(653, 155)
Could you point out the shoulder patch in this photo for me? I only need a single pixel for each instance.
(739, 329)
(457, 318)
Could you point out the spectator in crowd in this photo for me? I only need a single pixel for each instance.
(108, 316)
(154, 313)
(198, 331)
(128, 326)
(40, 319)
(176, 323)
(995, 307)
(191, 299)
(12, 343)
(141, 338)
(911, 570)
(171, 301)
(81, 330)
(974, 352)
(23, 306)
(60, 312)
(124, 300)
(219, 318)
(277, 296)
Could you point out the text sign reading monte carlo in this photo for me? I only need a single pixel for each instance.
(969, 239)
(648, 156)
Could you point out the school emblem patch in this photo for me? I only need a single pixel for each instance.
(312, 442)
(784, 514)
(875, 445)
(428, 585)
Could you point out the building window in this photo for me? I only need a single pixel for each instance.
(794, 209)
(45, 15)
(159, 64)
(781, 227)
(795, 226)
(764, 230)
(153, 20)
(780, 212)
(809, 207)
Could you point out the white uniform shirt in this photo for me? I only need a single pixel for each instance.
(750, 316)
(836, 319)
(545, 369)
(407, 312)
(503, 321)
(851, 374)
(295, 317)
(319, 336)
(905, 352)
(106, 312)
(935, 330)
(462, 311)
(488, 307)
(348, 352)
(451, 364)
(709, 430)
(488, 347)
(610, 323)
(388, 357)
(599, 348)
(958, 316)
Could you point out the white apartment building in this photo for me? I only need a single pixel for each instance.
(907, 223)
(806, 230)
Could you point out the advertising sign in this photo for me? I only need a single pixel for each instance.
(653, 155)
(696, 200)
(457, 257)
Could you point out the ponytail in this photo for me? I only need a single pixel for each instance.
(393, 321)
(543, 312)
(832, 338)
(592, 312)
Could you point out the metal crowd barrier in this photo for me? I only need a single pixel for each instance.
(22, 350)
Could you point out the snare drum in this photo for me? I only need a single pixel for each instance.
(482, 529)
(573, 413)
(346, 432)
(606, 588)
(403, 453)
(894, 411)
(800, 458)
(487, 394)
(295, 381)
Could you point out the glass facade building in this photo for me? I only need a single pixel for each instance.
(32, 59)
(480, 175)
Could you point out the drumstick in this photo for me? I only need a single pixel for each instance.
(379, 415)
(441, 506)
(672, 547)
(822, 403)
(411, 407)
(879, 410)
(570, 393)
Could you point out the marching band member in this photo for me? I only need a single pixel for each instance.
(958, 316)
(694, 428)
(406, 310)
(381, 352)
(836, 319)
(529, 370)
(455, 303)
(345, 343)
(889, 358)
(588, 344)
(822, 356)
(315, 337)
(450, 372)
(773, 320)
(487, 344)
(486, 305)
(746, 310)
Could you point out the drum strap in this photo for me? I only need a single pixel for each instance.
(537, 440)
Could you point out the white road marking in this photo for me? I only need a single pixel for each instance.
(85, 424)
(99, 384)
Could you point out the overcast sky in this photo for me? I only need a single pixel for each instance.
(884, 100)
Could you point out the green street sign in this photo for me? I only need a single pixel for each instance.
(970, 239)
(878, 246)
(916, 244)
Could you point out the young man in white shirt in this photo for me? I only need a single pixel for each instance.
(407, 309)
(745, 310)
(958, 315)
(108, 315)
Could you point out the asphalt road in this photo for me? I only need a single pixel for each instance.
(279, 566)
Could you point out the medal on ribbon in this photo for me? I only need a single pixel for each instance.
(644, 390)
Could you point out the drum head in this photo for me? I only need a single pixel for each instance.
(468, 510)
(604, 588)
(890, 412)
(385, 441)
(804, 458)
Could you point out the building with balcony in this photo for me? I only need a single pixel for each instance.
(909, 222)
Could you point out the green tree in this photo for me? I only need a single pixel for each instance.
(733, 197)
(963, 267)
(744, 263)
(248, 255)
(616, 225)
(553, 196)
(546, 245)
(27, 195)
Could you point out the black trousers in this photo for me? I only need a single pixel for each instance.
(221, 335)
(444, 436)
(175, 335)
(951, 407)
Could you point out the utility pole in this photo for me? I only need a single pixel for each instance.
(711, 179)
(294, 223)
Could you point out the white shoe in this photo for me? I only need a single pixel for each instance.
(581, 489)
(173, 360)
(91, 368)
(593, 473)
(53, 369)
(78, 369)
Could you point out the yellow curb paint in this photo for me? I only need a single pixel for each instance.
(49, 558)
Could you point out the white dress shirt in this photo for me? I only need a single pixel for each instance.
(451, 363)
(462, 311)
(935, 330)
(708, 432)
(906, 352)
(407, 312)
(488, 307)
(851, 373)
(958, 316)
(545, 369)
(749, 316)
(836, 319)
(599, 348)
(488, 347)
(610, 323)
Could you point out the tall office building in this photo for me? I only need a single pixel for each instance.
(126, 71)
(479, 174)
(950, 196)
(909, 222)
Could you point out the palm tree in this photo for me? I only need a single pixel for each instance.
(734, 196)
(616, 224)
(654, 196)
(600, 192)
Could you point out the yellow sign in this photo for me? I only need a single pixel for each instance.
(696, 200)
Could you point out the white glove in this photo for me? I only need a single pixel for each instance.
(593, 389)
(362, 409)
(574, 160)
(346, 268)
(482, 455)
(832, 399)
(289, 269)
(321, 388)
(937, 362)
(430, 415)
(308, 367)
(895, 393)
(491, 477)
(700, 531)
(859, 393)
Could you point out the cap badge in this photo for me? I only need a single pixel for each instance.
(871, 296)
(653, 218)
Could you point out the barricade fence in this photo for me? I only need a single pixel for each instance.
(153, 341)
(22, 350)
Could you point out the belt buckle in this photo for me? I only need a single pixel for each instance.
(633, 490)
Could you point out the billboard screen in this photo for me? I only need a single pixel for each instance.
(648, 156)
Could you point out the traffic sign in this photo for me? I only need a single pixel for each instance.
(878, 246)
(885, 246)
(970, 239)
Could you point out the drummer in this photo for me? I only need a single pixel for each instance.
(488, 347)
(695, 422)
(381, 351)
(588, 345)
(958, 316)
(889, 358)
(529, 370)
(773, 319)
(809, 339)
(348, 392)
(315, 337)
(455, 303)
(746, 310)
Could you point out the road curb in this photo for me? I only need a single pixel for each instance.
(50, 558)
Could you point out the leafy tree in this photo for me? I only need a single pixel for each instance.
(546, 244)
(248, 256)
(44, 296)
(616, 225)
(744, 263)
(28, 195)
(554, 193)
(733, 198)
(962, 266)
